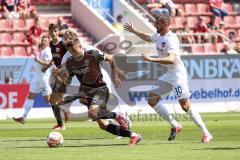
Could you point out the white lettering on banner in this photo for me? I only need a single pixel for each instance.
(12, 98)
(210, 68)
(4, 100)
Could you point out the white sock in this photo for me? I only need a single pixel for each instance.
(162, 111)
(27, 107)
(198, 120)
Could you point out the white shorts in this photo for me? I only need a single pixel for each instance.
(179, 85)
(37, 85)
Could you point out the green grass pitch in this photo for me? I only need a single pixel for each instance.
(84, 140)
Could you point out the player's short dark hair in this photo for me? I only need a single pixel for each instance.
(164, 18)
(52, 26)
(70, 38)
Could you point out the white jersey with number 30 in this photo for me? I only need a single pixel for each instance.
(176, 73)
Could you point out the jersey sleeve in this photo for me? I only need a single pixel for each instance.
(100, 56)
(153, 37)
(68, 68)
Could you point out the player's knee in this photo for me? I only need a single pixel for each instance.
(185, 105)
(102, 124)
(153, 99)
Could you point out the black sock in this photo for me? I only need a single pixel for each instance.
(71, 98)
(117, 130)
(105, 114)
(57, 114)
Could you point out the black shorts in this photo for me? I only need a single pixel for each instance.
(95, 96)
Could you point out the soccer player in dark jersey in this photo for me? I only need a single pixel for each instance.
(58, 52)
(85, 65)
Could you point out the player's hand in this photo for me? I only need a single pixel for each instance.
(36, 59)
(117, 82)
(237, 47)
(146, 58)
(129, 27)
(44, 69)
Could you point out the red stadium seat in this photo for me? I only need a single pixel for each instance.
(238, 32)
(29, 23)
(142, 1)
(229, 8)
(197, 50)
(6, 51)
(203, 9)
(6, 39)
(179, 22)
(43, 2)
(19, 38)
(20, 52)
(191, 21)
(238, 21)
(180, 6)
(210, 49)
(19, 25)
(229, 21)
(206, 19)
(6, 25)
(217, 21)
(190, 9)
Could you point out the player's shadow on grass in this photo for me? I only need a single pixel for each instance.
(220, 148)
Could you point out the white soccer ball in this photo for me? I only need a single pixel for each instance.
(54, 139)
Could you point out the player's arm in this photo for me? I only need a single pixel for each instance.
(44, 63)
(237, 47)
(117, 73)
(62, 76)
(170, 59)
(129, 27)
(47, 66)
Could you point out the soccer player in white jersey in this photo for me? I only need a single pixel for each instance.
(167, 45)
(40, 81)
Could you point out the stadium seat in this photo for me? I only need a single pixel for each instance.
(217, 21)
(19, 25)
(203, 9)
(206, 19)
(140, 1)
(229, 21)
(191, 21)
(210, 49)
(6, 39)
(238, 21)
(238, 32)
(20, 52)
(179, 22)
(29, 23)
(197, 49)
(190, 9)
(180, 6)
(6, 51)
(44, 2)
(229, 8)
(19, 38)
(6, 25)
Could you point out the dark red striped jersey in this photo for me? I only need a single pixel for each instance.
(58, 51)
(87, 70)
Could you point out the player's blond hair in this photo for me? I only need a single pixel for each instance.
(70, 38)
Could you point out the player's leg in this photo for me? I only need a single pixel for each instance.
(27, 107)
(112, 127)
(54, 99)
(155, 102)
(185, 104)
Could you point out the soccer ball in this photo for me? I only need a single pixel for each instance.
(54, 139)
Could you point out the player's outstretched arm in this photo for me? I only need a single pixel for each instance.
(170, 59)
(129, 27)
(117, 74)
